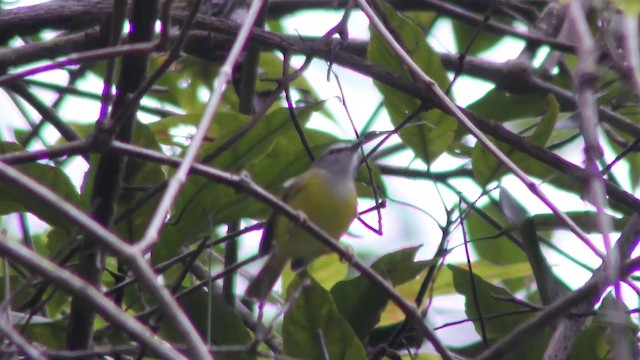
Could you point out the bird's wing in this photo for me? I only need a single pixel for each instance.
(266, 244)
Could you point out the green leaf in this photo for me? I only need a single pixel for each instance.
(55, 241)
(486, 167)
(501, 106)
(464, 34)
(584, 219)
(139, 174)
(500, 316)
(215, 320)
(381, 336)
(17, 280)
(633, 160)
(595, 341)
(194, 77)
(13, 199)
(491, 299)
(50, 334)
(400, 267)
(313, 327)
(430, 134)
(258, 141)
(271, 68)
(490, 243)
(549, 287)
(58, 302)
(511, 208)
(361, 302)
(326, 270)
(203, 204)
(443, 285)
(545, 128)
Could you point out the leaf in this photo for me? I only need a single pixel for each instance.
(400, 267)
(203, 204)
(492, 300)
(548, 122)
(486, 167)
(511, 208)
(430, 134)
(257, 141)
(443, 285)
(13, 199)
(361, 302)
(50, 334)
(482, 40)
(327, 270)
(584, 219)
(139, 176)
(549, 287)
(501, 106)
(488, 241)
(595, 341)
(58, 302)
(187, 85)
(212, 316)
(313, 326)
(592, 343)
(16, 298)
(500, 316)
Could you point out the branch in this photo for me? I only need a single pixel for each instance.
(80, 288)
(56, 14)
(441, 101)
(9, 333)
(109, 172)
(157, 221)
(581, 299)
(347, 59)
(245, 184)
(112, 242)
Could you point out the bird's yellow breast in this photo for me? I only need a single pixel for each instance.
(329, 204)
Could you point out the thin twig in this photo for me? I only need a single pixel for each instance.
(175, 184)
(451, 108)
(81, 288)
(115, 244)
(247, 185)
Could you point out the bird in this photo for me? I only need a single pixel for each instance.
(326, 195)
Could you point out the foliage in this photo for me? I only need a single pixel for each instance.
(86, 166)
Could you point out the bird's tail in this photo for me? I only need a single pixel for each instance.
(260, 287)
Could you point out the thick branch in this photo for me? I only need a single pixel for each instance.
(109, 173)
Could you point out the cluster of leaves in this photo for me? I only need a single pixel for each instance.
(533, 117)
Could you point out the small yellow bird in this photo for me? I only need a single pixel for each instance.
(326, 193)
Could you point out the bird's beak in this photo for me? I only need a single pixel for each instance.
(366, 138)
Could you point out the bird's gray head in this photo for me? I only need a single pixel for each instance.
(340, 159)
